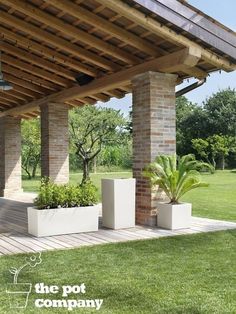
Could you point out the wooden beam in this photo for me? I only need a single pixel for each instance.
(4, 99)
(115, 93)
(5, 103)
(29, 57)
(24, 91)
(36, 71)
(192, 22)
(13, 99)
(29, 77)
(21, 82)
(168, 34)
(65, 28)
(115, 80)
(103, 24)
(48, 52)
(58, 42)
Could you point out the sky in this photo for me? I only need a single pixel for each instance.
(224, 12)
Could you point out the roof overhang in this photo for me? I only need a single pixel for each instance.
(47, 44)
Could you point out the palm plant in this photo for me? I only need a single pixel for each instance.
(176, 176)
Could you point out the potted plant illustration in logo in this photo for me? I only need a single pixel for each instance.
(19, 292)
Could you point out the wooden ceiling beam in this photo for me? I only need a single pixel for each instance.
(21, 82)
(102, 97)
(5, 103)
(65, 28)
(25, 91)
(56, 41)
(48, 52)
(26, 56)
(105, 25)
(35, 70)
(29, 77)
(168, 63)
(14, 94)
(115, 93)
(14, 100)
(7, 100)
(168, 34)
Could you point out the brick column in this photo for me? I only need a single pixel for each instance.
(10, 156)
(55, 142)
(154, 133)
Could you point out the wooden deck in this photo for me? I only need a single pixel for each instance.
(14, 238)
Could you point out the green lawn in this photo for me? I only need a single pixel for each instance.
(192, 274)
(218, 201)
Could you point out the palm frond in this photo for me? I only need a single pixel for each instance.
(176, 176)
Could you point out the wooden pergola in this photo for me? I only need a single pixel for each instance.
(76, 52)
(47, 44)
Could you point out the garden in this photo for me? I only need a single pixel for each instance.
(181, 274)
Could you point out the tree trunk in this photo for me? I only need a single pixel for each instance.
(85, 170)
(214, 162)
(223, 162)
(27, 172)
(95, 165)
(35, 166)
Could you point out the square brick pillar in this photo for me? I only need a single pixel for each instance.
(10, 156)
(154, 133)
(55, 142)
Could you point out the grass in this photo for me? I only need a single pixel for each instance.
(185, 274)
(218, 201)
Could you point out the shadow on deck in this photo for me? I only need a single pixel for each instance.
(15, 239)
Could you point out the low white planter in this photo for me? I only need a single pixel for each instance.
(56, 221)
(118, 203)
(174, 216)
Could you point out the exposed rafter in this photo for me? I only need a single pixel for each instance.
(164, 31)
(170, 63)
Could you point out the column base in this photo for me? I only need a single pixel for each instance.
(7, 193)
(146, 218)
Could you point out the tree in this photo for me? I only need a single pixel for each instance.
(221, 113)
(202, 147)
(215, 147)
(91, 128)
(220, 148)
(30, 130)
(190, 123)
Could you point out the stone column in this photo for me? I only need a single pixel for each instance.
(55, 142)
(10, 156)
(154, 133)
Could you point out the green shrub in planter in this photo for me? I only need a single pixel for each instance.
(52, 195)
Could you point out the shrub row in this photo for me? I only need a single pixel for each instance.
(52, 195)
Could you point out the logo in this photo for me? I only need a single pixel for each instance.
(19, 292)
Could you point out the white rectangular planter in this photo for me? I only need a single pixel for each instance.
(118, 203)
(56, 221)
(174, 216)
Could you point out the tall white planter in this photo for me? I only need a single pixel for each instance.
(56, 221)
(118, 203)
(174, 216)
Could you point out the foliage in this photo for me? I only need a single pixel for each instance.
(88, 194)
(175, 177)
(30, 130)
(214, 147)
(216, 117)
(52, 195)
(221, 113)
(91, 128)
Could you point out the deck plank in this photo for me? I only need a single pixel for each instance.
(15, 239)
